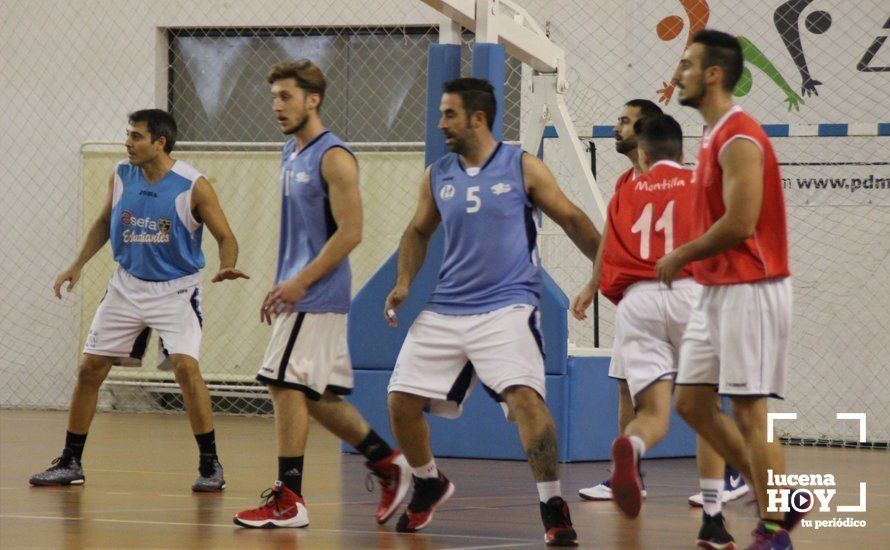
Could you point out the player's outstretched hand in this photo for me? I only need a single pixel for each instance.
(71, 275)
(228, 274)
(582, 301)
(393, 301)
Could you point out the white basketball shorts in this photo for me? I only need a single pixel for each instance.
(737, 339)
(308, 352)
(649, 324)
(132, 307)
(443, 355)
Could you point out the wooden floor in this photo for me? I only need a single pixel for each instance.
(140, 467)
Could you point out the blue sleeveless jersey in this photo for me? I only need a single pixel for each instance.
(307, 223)
(154, 235)
(490, 258)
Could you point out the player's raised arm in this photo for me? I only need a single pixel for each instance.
(94, 241)
(412, 247)
(206, 204)
(546, 195)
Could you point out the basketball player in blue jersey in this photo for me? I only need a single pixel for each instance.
(482, 319)
(154, 214)
(307, 366)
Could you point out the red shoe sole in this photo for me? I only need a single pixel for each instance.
(626, 484)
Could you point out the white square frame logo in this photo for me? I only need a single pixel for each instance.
(860, 417)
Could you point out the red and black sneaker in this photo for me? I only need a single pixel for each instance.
(766, 539)
(394, 475)
(627, 487)
(282, 508)
(558, 523)
(428, 495)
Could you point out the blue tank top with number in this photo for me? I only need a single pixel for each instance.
(490, 258)
(307, 223)
(154, 235)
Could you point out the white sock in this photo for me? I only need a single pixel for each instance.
(548, 490)
(638, 444)
(712, 495)
(427, 471)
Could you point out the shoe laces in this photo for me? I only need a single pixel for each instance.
(385, 478)
(62, 462)
(270, 498)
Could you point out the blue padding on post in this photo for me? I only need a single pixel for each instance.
(593, 416)
(554, 325)
(550, 132)
(443, 64)
(603, 131)
(373, 344)
(488, 63)
(884, 128)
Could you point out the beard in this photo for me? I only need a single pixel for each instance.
(301, 123)
(625, 146)
(457, 145)
(692, 100)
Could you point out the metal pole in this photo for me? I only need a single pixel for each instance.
(596, 297)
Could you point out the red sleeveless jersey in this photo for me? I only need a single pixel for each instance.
(764, 255)
(648, 217)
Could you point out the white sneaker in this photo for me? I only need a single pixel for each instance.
(603, 491)
(733, 489)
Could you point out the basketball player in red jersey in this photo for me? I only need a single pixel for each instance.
(737, 337)
(626, 144)
(648, 217)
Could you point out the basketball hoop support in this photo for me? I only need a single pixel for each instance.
(524, 39)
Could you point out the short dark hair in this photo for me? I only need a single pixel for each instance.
(161, 124)
(660, 136)
(721, 50)
(307, 75)
(646, 107)
(477, 94)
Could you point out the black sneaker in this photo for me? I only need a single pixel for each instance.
(428, 495)
(66, 470)
(713, 533)
(210, 477)
(558, 523)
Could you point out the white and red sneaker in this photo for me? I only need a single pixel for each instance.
(627, 487)
(394, 475)
(282, 508)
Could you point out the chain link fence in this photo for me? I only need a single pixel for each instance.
(79, 68)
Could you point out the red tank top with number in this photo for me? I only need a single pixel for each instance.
(763, 255)
(648, 217)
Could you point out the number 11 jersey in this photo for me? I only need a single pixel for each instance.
(649, 216)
